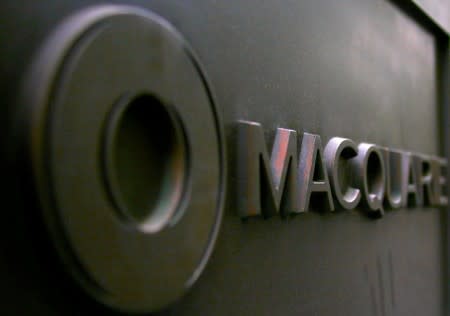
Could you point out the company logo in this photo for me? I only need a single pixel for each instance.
(128, 182)
(300, 176)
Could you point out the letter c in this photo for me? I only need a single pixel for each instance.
(337, 153)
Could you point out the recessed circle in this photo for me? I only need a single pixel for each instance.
(145, 160)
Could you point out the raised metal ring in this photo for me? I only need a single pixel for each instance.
(80, 93)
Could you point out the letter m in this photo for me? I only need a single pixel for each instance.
(265, 187)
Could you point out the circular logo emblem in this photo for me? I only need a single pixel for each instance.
(127, 156)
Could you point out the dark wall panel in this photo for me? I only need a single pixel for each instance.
(366, 70)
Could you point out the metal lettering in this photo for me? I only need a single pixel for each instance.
(370, 176)
(313, 176)
(425, 179)
(438, 167)
(411, 181)
(394, 195)
(293, 181)
(337, 153)
(266, 187)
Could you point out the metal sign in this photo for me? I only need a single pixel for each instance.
(123, 159)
